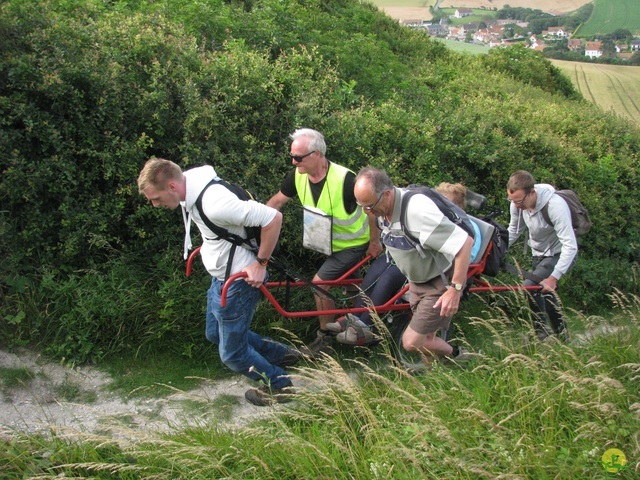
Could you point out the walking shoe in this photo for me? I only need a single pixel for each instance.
(290, 358)
(358, 335)
(322, 344)
(342, 323)
(463, 355)
(263, 396)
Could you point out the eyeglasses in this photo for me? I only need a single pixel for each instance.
(518, 203)
(299, 158)
(371, 207)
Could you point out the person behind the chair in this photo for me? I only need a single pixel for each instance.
(457, 193)
(381, 282)
(554, 247)
(327, 186)
(165, 185)
(437, 271)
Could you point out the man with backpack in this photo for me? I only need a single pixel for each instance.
(552, 239)
(430, 249)
(164, 184)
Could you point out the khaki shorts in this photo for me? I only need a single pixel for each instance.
(422, 298)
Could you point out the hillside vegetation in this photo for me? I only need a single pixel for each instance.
(91, 89)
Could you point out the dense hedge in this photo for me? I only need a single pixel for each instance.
(89, 90)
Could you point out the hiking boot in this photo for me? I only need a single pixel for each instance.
(292, 357)
(358, 335)
(263, 396)
(322, 344)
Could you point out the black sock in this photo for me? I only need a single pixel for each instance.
(325, 332)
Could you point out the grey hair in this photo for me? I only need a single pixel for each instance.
(377, 178)
(317, 139)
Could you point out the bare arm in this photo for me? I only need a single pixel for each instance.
(268, 239)
(375, 246)
(450, 300)
(278, 201)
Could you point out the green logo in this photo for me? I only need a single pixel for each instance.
(614, 461)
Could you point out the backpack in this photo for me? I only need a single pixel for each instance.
(500, 240)
(446, 206)
(579, 215)
(252, 240)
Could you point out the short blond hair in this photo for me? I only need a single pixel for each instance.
(157, 173)
(456, 192)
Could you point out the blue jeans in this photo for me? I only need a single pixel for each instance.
(240, 348)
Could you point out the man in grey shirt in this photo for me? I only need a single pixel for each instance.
(554, 246)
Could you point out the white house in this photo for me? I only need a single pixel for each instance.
(593, 49)
(463, 12)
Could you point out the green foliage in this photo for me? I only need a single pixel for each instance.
(529, 67)
(90, 90)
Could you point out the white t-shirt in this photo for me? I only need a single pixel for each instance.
(226, 210)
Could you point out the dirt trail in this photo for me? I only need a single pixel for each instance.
(35, 405)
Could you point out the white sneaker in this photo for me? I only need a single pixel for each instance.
(358, 335)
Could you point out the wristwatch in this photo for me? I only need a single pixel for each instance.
(457, 286)
(262, 261)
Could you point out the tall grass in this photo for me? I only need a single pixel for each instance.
(521, 410)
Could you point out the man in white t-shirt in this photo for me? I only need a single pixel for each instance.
(165, 185)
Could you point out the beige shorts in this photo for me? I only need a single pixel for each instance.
(422, 298)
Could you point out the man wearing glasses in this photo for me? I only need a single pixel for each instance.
(325, 190)
(554, 247)
(436, 267)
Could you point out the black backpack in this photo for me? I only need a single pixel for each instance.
(500, 240)
(446, 206)
(252, 240)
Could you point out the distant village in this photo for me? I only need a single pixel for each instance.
(500, 33)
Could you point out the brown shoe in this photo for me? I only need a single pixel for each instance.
(263, 396)
(290, 358)
(322, 344)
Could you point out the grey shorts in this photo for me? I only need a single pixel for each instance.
(337, 263)
(422, 298)
(544, 266)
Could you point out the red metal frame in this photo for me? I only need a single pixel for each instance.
(393, 304)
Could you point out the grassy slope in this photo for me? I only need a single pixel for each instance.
(610, 15)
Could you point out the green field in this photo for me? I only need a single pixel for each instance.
(479, 15)
(464, 46)
(612, 87)
(611, 15)
(404, 3)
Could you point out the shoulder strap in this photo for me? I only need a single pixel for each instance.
(218, 230)
(221, 232)
(545, 213)
(449, 209)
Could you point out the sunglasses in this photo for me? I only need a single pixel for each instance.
(299, 158)
(368, 208)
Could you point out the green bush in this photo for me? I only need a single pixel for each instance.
(90, 90)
